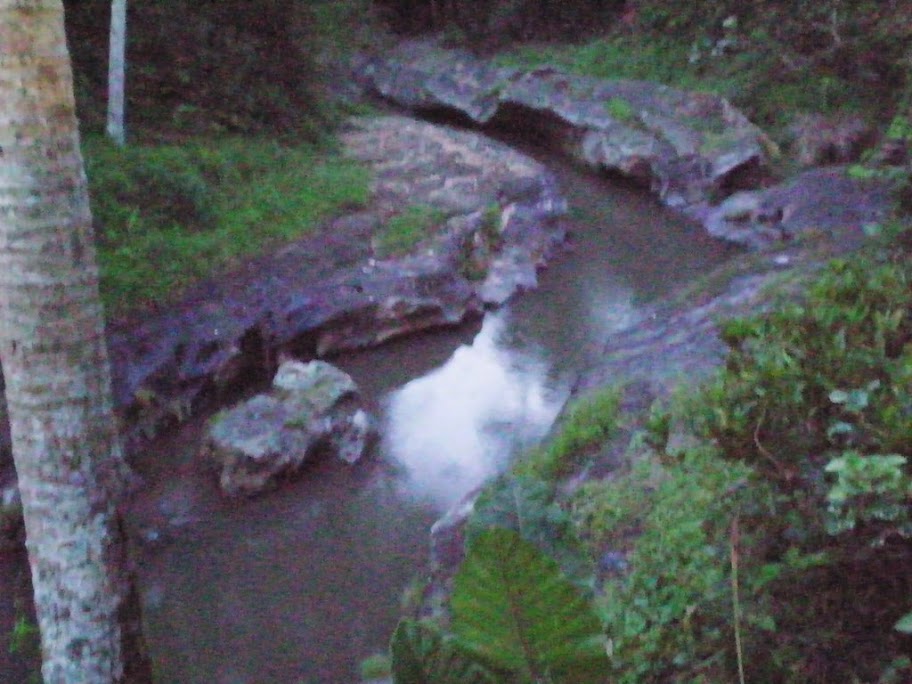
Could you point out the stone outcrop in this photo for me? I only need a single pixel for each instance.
(825, 203)
(497, 218)
(312, 409)
(821, 140)
(684, 146)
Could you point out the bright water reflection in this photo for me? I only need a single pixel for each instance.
(458, 425)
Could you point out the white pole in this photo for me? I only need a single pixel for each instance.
(116, 71)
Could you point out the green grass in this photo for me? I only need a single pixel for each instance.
(167, 216)
(589, 423)
(660, 60)
(405, 231)
(620, 109)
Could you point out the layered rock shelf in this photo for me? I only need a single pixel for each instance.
(685, 147)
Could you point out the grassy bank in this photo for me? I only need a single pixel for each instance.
(168, 215)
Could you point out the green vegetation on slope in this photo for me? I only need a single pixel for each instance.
(773, 60)
(663, 531)
(797, 496)
(753, 78)
(169, 215)
(588, 424)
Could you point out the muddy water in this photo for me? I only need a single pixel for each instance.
(300, 585)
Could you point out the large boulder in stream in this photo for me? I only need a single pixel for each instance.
(685, 146)
(312, 409)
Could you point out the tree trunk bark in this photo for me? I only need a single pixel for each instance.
(117, 67)
(65, 442)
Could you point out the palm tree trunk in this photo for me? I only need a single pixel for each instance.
(65, 442)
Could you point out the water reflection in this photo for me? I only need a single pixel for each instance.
(458, 425)
(611, 309)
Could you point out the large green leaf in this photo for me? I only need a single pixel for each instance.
(526, 506)
(422, 655)
(515, 609)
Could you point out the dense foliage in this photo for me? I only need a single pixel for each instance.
(816, 397)
(779, 541)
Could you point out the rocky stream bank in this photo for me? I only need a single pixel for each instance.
(492, 217)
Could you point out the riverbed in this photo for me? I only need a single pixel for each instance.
(299, 585)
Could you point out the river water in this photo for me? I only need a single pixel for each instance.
(298, 586)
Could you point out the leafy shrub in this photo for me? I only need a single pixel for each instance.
(868, 488)
(817, 398)
(807, 381)
(663, 533)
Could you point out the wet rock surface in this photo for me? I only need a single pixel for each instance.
(684, 146)
(821, 203)
(312, 409)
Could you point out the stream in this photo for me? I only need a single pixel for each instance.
(298, 586)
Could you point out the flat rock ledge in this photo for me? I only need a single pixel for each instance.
(313, 409)
(686, 147)
(825, 203)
